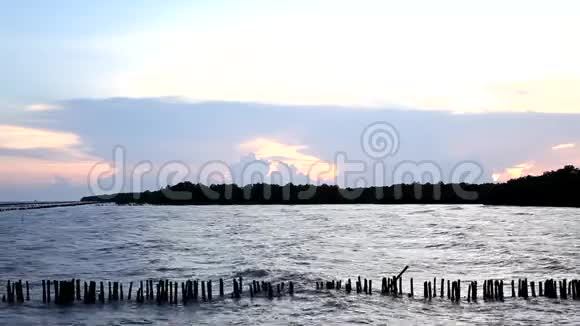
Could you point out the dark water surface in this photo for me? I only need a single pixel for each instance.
(299, 243)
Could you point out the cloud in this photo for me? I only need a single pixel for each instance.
(23, 138)
(563, 146)
(43, 107)
(517, 171)
(34, 156)
(292, 156)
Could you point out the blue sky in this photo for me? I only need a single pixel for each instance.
(496, 82)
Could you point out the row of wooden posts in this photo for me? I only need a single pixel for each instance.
(163, 291)
(166, 291)
(492, 289)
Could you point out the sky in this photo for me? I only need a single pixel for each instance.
(291, 88)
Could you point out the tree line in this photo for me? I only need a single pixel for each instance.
(553, 188)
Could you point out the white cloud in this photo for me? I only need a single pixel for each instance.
(43, 107)
(24, 138)
(66, 160)
(517, 171)
(292, 156)
(563, 146)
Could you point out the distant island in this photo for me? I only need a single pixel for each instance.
(560, 188)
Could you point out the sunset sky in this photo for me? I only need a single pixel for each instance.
(291, 82)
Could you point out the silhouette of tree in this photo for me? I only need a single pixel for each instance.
(552, 188)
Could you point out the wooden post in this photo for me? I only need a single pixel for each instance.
(411, 281)
(366, 286)
(140, 296)
(448, 289)
(564, 293)
(513, 289)
(86, 292)
(221, 287)
(78, 290)
(160, 291)
(434, 287)
(9, 292)
(166, 291)
(48, 291)
(102, 293)
(175, 296)
(453, 292)
(469, 292)
(235, 294)
(458, 290)
(19, 294)
(184, 292)
(400, 285)
(209, 292)
(384, 285)
(27, 292)
(430, 293)
(43, 291)
(56, 292)
(291, 288)
(533, 285)
(115, 291)
(485, 295)
(442, 288)
(425, 291)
